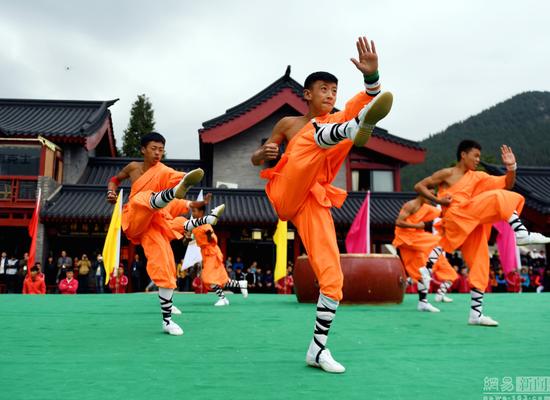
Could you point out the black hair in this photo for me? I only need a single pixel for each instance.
(35, 269)
(319, 76)
(201, 208)
(466, 146)
(152, 137)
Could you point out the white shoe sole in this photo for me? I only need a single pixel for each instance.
(381, 106)
(190, 179)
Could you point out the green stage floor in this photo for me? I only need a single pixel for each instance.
(111, 347)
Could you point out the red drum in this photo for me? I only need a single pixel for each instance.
(368, 278)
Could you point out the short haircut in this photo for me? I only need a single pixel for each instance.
(152, 137)
(201, 208)
(319, 76)
(35, 269)
(466, 146)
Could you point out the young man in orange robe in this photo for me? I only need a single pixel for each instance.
(473, 201)
(299, 186)
(416, 246)
(152, 216)
(213, 273)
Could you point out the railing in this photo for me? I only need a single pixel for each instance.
(20, 189)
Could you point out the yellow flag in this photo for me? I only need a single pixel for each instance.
(111, 248)
(280, 238)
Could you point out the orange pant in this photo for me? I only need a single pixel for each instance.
(154, 229)
(465, 227)
(316, 228)
(444, 271)
(213, 268)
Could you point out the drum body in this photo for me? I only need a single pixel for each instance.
(368, 278)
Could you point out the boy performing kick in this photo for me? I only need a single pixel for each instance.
(419, 253)
(214, 274)
(299, 186)
(152, 216)
(473, 201)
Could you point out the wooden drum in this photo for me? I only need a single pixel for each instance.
(368, 278)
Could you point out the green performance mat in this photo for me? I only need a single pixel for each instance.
(111, 347)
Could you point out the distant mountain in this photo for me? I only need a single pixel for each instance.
(522, 122)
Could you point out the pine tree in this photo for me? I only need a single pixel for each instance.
(141, 123)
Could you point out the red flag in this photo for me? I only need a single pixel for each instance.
(33, 232)
(358, 238)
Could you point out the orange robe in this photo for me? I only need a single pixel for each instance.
(213, 268)
(415, 245)
(155, 228)
(479, 200)
(299, 188)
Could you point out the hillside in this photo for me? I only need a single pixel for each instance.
(522, 122)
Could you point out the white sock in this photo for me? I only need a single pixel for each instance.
(326, 311)
(422, 292)
(165, 297)
(433, 257)
(442, 290)
(161, 199)
(194, 222)
(328, 135)
(476, 304)
(517, 225)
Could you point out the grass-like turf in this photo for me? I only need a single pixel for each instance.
(111, 347)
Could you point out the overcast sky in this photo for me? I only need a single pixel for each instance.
(443, 60)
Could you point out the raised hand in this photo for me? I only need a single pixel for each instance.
(207, 197)
(270, 151)
(508, 157)
(368, 59)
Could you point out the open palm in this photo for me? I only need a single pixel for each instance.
(368, 59)
(508, 157)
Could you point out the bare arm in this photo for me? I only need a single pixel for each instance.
(405, 213)
(423, 187)
(270, 149)
(112, 187)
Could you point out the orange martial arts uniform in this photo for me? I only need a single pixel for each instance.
(155, 228)
(299, 188)
(478, 201)
(213, 268)
(415, 245)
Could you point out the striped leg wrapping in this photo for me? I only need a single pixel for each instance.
(219, 291)
(476, 304)
(161, 199)
(327, 135)
(422, 292)
(326, 311)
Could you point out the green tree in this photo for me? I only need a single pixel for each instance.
(141, 123)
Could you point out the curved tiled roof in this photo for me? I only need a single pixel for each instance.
(243, 207)
(282, 83)
(531, 182)
(53, 119)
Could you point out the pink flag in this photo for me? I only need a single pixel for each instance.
(358, 238)
(506, 243)
(33, 232)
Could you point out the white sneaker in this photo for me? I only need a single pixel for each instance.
(244, 288)
(216, 213)
(442, 298)
(326, 362)
(373, 112)
(172, 328)
(523, 238)
(190, 179)
(425, 306)
(175, 310)
(222, 302)
(426, 277)
(484, 320)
